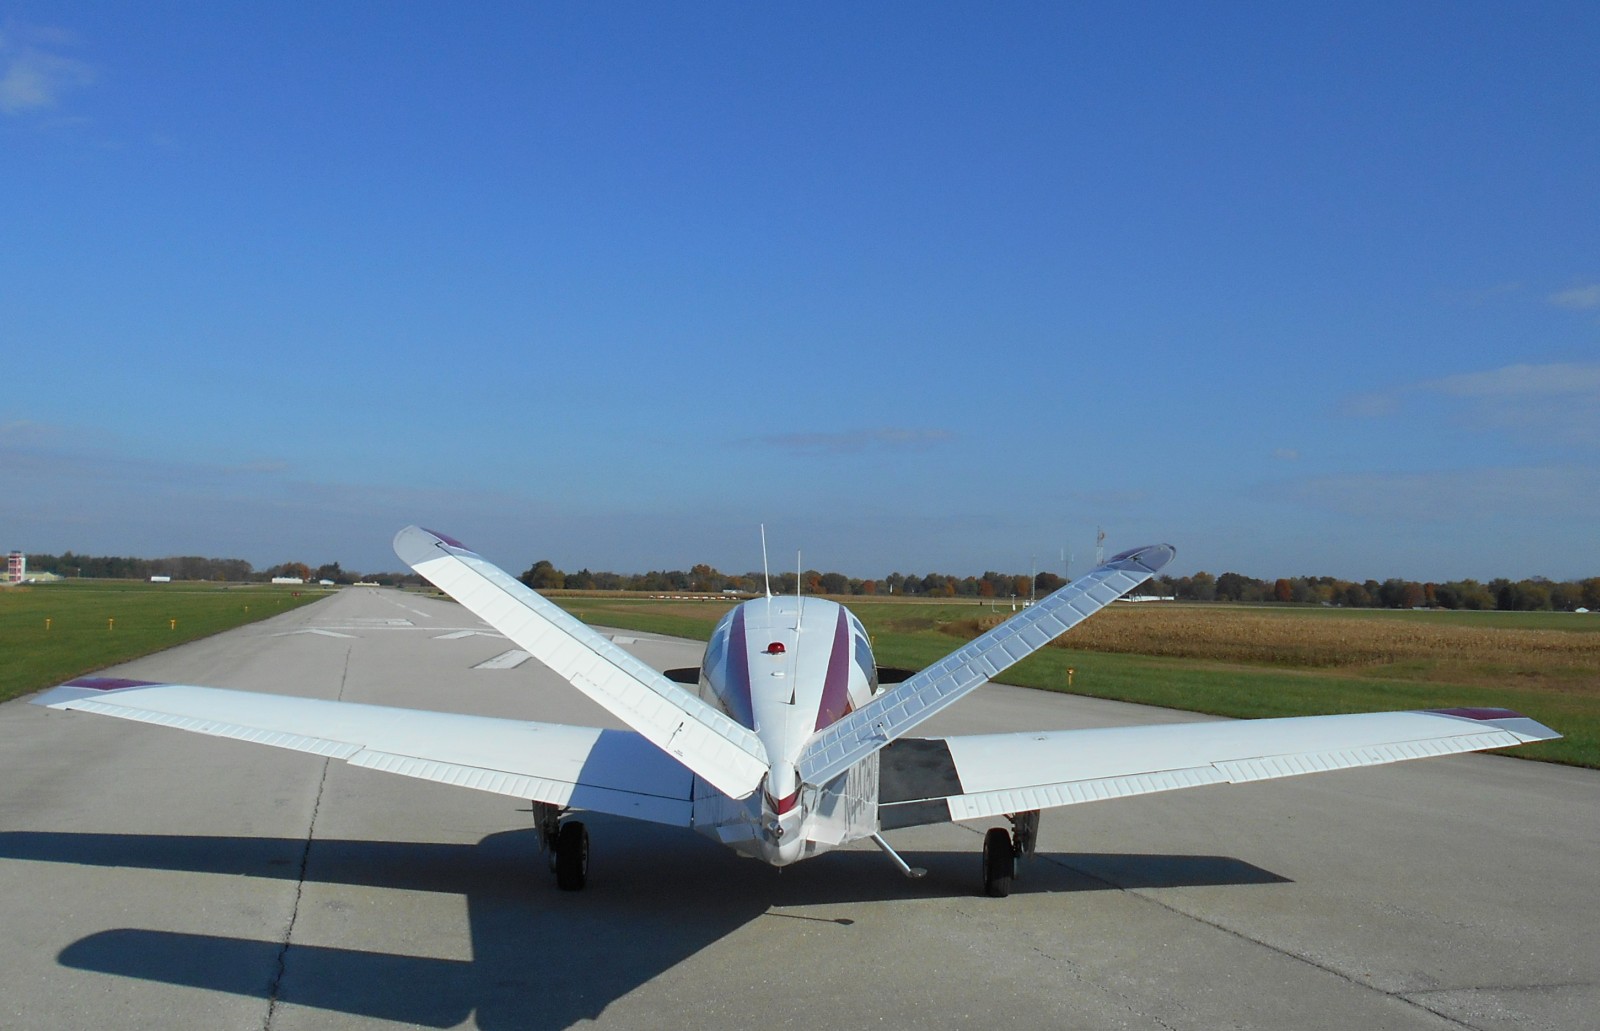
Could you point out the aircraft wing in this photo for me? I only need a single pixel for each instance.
(608, 771)
(896, 712)
(725, 754)
(932, 780)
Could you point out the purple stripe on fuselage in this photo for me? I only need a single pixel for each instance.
(836, 688)
(738, 700)
(109, 683)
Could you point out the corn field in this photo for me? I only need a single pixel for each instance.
(1296, 640)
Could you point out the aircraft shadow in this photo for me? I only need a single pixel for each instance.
(541, 958)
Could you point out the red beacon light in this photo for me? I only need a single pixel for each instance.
(776, 648)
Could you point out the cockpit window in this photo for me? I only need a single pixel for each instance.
(716, 649)
(863, 656)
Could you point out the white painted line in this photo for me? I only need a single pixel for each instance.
(324, 633)
(458, 635)
(505, 660)
(619, 639)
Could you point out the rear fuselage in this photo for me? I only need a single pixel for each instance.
(786, 668)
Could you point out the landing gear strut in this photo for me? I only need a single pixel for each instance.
(566, 845)
(1002, 850)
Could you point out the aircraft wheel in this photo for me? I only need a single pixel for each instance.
(999, 863)
(572, 856)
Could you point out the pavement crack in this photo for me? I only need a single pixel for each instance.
(1539, 987)
(281, 962)
(1401, 997)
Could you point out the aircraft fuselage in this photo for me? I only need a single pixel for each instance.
(786, 668)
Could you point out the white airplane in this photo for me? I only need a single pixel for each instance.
(791, 745)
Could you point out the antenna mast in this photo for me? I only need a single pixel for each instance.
(766, 577)
(1099, 547)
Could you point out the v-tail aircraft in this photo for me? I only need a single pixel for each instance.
(789, 740)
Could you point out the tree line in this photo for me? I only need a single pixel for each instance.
(195, 567)
(1529, 595)
(1534, 594)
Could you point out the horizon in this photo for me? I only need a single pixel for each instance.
(918, 287)
(258, 569)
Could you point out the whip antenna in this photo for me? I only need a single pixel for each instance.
(766, 577)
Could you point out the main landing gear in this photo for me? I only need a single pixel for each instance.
(566, 844)
(1001, 850)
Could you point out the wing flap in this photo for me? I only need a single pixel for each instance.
(726, 754)
(610, 771)
(995, 774)
(898, 711)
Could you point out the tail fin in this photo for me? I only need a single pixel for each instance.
(725, 754)
(895, 713)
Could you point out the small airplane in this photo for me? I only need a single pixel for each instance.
(793, 741)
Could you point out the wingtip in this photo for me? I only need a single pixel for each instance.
(1525, 727)
(1150, 558)
(418, 544)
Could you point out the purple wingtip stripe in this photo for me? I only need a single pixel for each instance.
(1480, 714)
(109, 683)
(448, 539)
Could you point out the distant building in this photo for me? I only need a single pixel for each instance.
(16, 567)
(288, 580)
(161, 579)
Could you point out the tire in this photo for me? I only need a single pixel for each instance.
(999, 863)
(572, 856)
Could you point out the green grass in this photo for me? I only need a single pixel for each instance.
(1577, 622)
(914, 635)
(98, 623)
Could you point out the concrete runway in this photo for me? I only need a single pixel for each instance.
(153, 878)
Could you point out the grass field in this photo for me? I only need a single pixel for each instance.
(93, 624)
(1249, 661)
(1227, 660)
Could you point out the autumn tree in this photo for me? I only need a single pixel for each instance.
(543, 576)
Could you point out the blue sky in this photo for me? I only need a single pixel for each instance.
(920, 286)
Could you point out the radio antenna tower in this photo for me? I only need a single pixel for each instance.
(1099, 547)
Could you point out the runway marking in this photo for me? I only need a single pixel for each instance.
(619, 639)
(379, 621)
(459, 634)
(505, 660)
(324, 633)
